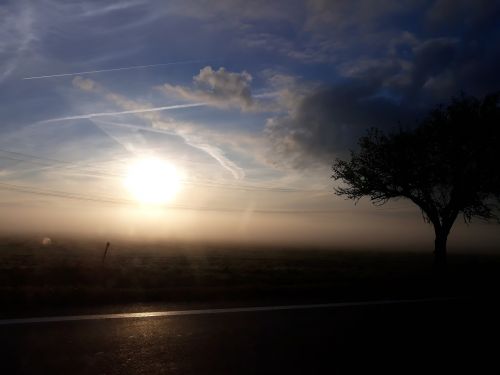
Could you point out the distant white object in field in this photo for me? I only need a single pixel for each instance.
(46, 241)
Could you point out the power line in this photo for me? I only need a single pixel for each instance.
(86, 168)
(61, 194)
(110, 200)
(40, 160)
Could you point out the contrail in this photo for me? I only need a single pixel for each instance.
(116, 69)
(214, 152)
(132, 111)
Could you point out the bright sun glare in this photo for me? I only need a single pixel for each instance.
(152, 181)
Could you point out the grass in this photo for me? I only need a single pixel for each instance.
(71, 272)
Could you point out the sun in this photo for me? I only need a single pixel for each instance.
(152, 181)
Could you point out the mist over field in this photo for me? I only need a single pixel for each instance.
(400, 231)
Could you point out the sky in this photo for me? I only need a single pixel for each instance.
(250, 101)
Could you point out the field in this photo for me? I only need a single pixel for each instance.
(72, 272)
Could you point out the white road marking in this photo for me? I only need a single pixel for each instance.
(70, 318)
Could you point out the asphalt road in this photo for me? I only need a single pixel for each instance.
(431, 336)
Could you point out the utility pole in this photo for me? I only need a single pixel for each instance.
(106, 251)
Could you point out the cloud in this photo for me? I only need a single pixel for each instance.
(130, 106)
(91, 10)
(16, 35)
(309, 31)
(399, 83)
(327, 121)
(423, 72)
(159, 124)
(236, 12)
(309, 49)
(85, 84)
(190, 137)
(464, 13)
(405, 54)
(384, 58)
(118, 113)
(219, 88)
(434, 55)
(344, 14)
(216, 153)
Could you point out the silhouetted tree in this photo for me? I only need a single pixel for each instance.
(447, 165)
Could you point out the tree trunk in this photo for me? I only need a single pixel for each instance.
(442, 229)
(440, 249)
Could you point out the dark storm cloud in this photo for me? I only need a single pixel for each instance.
(433, 56)
(433, 70)
(449, 46)
(326, 123)
(463, 14)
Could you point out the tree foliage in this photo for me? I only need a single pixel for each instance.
(447, 165)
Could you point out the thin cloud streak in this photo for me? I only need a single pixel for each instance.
(237, 172)
(132, 111)
(191, 139)
(116, 69)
